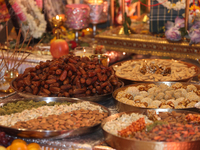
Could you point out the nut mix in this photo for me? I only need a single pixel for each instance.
(154, 70)
(64, 121)
(69, 76)
(45, 111)
(19, 106)
(166, 126)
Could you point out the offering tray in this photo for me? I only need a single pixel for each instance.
(123, 107)
(129, 81)
(95, 98)
(121, 143)
(50, 134)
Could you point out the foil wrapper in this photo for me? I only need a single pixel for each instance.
(77, 16)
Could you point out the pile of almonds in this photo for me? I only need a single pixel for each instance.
(69, 76)
(65, 121)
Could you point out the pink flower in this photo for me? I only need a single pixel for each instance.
(179, 23)
(194, 36)
(73, 44)
(173, 34)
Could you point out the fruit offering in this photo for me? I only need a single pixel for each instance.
(19, 144)
(69, 76)
(58, 48)
(4, 141)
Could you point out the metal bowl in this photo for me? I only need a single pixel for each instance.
(123, 107)
(50, 134)
(130, 144)
(95, 98)
(130, 81)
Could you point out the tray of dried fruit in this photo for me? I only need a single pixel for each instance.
(163, 95)
(69, 77)
(155, 70)
(52, 118)
(159, 129)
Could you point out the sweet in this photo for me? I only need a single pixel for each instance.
(154, 70)
(163, 96)
(123, 122)
(17, 120)
(156, 126)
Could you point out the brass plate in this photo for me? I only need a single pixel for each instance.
(123, 107)
(120, 143)
(50, 134)
(197, 69)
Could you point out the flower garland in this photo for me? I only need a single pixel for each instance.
(39, 4)
(176, 6)
(33, 19)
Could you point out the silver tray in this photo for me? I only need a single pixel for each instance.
(120, 143)
(122, 107)
(129, 81)
(50, 134)
(95, 98)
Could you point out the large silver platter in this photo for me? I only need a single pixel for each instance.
(129, 81)
(95, 98)
(50, 134)
(120, 143)
(123, 107)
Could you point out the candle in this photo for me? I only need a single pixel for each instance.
(57, 17)
(103, 59)
(77, 16)
(98, 11)
(62, 17)
(57, 21)
(95, 2)
(83, 51)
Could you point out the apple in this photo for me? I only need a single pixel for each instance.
(58, 48)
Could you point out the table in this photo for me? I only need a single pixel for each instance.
(86, 142)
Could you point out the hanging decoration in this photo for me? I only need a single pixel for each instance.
(176, 6)
(39, 3)
(30, 17)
